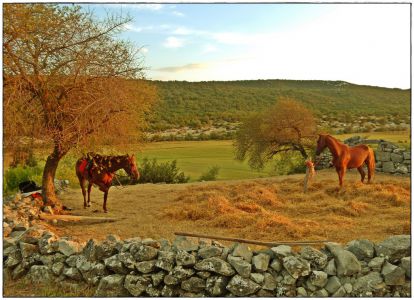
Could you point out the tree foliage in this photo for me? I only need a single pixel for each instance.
(286, 127)
(69, 81)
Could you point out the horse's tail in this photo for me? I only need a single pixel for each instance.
(371, 163)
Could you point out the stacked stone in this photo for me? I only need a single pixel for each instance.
(147, 267)
(391, 159)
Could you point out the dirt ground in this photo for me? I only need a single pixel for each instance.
(279, 210)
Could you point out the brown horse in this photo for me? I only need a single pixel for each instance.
(345, 157)
(100, 170)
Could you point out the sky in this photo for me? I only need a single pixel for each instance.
(359, 43)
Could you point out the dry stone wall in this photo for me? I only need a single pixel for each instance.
(389, 158)
(197, 268)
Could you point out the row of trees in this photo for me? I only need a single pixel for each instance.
(70, 81)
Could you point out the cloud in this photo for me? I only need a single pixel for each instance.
(177, 13)
(173, 42)
(209, 48)
(144, 50)
(133, 28)
(187, 67)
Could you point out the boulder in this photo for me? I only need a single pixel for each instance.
(47, 243)
(395, 247)
(95, 273)
(157, 278)
(153, 291)
(276, 265)
(345, 261)
(406, 265)
(341, 292)
(203, 274)
(127, 260)
(103, 250)
(209, 251)
(72, 273)
(318, 278)
(296, 266)
(362, 249)
(382, 156)
(240, 286)
(166, 260)
(183, 258)
(316, 258)
(282, 251)
(332, 285)
(89, 251)
(28, 249)
(143, 253)
(114, 264)
(67, 247)
(269, 282)
(242, 250)
(168, 291)
(216, 265)
(169, 279)
(260, 262)
(388, 167)
(393, 275)
(40, 274)
(151, 242)
(194, 284)
(242, 267)
(376, 264)
(257, 277)
(18, 272)
(57, 268)
(322, 293)
(112, 286)
(136, 285)
(181, 273)
(216, 285)
(146, 266)
(397, 158)
(402, 169)
(368, 283)
(14, 256)
(301, 292)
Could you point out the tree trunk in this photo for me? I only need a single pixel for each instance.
(48, 186)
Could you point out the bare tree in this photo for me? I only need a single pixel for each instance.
(70, 81)
(286, 127)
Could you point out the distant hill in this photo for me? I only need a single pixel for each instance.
(197, 103)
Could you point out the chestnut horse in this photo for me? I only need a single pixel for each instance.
(100, 170)
(345, 157)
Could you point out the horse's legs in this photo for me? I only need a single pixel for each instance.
(341, 174)
(82, 184)
(105, 198)
(89, 193)
(362, 172)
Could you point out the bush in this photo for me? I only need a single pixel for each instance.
(287, 164)
(168, 172)
(211, 174)
(14, 176)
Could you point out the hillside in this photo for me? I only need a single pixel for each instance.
(199, 103)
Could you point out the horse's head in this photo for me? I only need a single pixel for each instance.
(131, 168)
(321, 144)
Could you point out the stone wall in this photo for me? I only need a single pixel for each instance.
(196, 268)
(389, 158)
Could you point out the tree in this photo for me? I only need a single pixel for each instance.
(69, 81)
(287, 126)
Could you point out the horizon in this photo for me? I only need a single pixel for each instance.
(366, 44)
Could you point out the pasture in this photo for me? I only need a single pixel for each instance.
(267, 209)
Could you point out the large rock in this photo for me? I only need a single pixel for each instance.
(183, 258)
(18, 272)
(194, 284)
(383, 156)
(166, 260)
(242, 250)
(376, 264)
(127, 260)
(143, 253)
(47, 243)
(345, 261)
(136, 285)
(395, 247)
(402, 169)
(393, 275)
(316, 258)
(242, 267)
(269, 282)
(216, 285)
(395, 157)
(318, 278)
(105, 249)
(240, 286)
(388, 167)
(114, 264)
(40, 274)
(260, 262)
(257, 277)
(146, 266)
(216, 265)
(14, 256)
(67, 247)
(94, 274)
(368, 283)
(296, 266)
(332, 285)
(72, 273)
(181, 273)
(89, 251)
(406, 265)
(276, 265)
(362, 249)
(112, 286)
(57, 268)
(157, 278)
(209, 251)
(282, 251)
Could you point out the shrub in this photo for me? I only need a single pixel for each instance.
(14, 176)
(168, 172)
(211, 174)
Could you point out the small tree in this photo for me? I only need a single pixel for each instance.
(69, 81)
(285, 127)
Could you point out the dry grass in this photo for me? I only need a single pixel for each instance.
(268, 209)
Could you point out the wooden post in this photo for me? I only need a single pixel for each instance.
(310, 171)
(269, 244)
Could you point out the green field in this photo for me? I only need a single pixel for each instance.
(196, 157)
